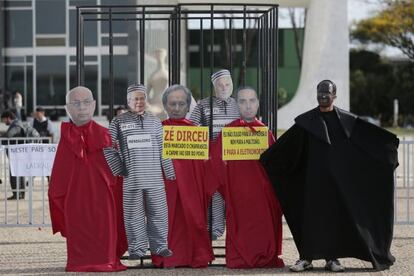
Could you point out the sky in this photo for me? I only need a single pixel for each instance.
(360, 9)
(357, 10)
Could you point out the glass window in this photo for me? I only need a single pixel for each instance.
(117, 26)
(50, 17)
(51, 80)
(91, 78)
(27, 4)
(281, 50)
(118, 2)
(90, 30)
(50, 41)
(115, 40)
(15, 80)
(19, 28)
(82, 2)
(120, 64)
(85, 58)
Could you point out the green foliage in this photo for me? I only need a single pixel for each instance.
(282, 97)
(375, 83)
(393, 26)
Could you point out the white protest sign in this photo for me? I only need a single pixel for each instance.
(32, 159)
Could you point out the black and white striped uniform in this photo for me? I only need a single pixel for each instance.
(224, 112)
(139, 159)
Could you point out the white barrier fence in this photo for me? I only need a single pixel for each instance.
(404, 183)
(33, 208)
(26, 204)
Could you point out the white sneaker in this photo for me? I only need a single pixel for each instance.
(301, 265)
(334, 265)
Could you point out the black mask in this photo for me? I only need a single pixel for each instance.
(326, 93)
(325, 99)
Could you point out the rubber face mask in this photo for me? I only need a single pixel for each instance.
(80, 107)
(137, 101)
(248, 104)
(223, 87)
(177, 106)
(325, 99)
(326, 93)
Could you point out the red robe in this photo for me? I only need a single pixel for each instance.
(253, 215)
(85, 200)
(187, 199)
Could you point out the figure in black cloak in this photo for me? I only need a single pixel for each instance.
(333, 175)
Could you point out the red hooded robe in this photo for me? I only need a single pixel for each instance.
(187, 199)
(253, 215)
(85, 200)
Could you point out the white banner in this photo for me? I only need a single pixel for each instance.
(31, 159)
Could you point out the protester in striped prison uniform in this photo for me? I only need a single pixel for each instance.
(224, 111)
(137, 137)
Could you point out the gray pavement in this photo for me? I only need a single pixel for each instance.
(35, 251)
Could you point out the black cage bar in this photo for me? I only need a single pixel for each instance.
(261, 32)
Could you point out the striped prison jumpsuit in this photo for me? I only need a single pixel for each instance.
(138, 158)
(224, 112)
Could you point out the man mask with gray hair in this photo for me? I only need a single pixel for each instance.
(80, 105)
(83, 194)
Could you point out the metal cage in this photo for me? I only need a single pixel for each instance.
(263, 34)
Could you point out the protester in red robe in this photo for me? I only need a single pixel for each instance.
(253, 215)
(85, 198)
(187, 196)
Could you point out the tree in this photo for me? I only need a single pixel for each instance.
(375, 82)
(296, 31)
(371, 83)
(393, 26)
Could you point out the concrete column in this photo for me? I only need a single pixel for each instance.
(325, 56)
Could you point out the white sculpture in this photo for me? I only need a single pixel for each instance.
(157, 83)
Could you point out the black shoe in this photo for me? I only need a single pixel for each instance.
(134, 257)
(13, 197)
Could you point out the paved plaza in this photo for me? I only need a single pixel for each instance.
(35, 251)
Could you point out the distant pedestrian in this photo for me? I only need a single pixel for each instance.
(7, 100)
(120, 110)
(16, 129)
(42, 124)
(18, 104)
